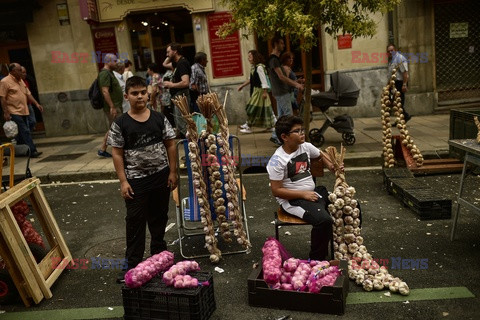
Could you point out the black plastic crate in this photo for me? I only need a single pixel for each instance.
(330, 300)
(396, 172)
(157, 301)
(398, 186)
(428, 205)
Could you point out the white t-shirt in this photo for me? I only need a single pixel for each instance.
(401, 63)
(294, 168)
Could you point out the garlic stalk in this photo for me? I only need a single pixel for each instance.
(477, 123)
(392, 104)
(199, 182)
(229, 167)
(216, 186)
(348, 242)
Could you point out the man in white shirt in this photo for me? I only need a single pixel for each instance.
(398, 61)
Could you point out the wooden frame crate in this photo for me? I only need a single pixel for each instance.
(33, 280)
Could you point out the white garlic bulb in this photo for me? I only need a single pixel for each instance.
(403, 289)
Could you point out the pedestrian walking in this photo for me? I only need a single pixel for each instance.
(32, 120)
(118, 72)
(14, 97)
(127, 73)
(398, 61)
(156, 86)
(286, 59)
(198, 80)
(259, 107)
(143, 148)
(112, 97)
(280, 83)
(180, 82)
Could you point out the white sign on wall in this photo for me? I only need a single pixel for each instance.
(459, 30)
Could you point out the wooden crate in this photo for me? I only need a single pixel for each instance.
(430, 166)
(33, 280)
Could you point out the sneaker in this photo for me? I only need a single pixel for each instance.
(272, 139)
(244, 126)
(246, 130)
(104, 154)
(36, 154)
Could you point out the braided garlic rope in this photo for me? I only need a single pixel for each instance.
(395, 106)
(348, 242)
(229, 172)
(198, 180)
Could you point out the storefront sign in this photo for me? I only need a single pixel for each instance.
(459, 30)
(104, 41)
(344, 41)
(88, 10)
(115, 10)
(225, 53)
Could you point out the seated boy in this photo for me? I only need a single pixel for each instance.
(143, 150)
(291, 182)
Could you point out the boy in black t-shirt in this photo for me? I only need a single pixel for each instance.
(143, 150)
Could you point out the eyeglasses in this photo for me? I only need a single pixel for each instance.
(298, 131)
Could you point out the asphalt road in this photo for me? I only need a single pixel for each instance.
(91, 218)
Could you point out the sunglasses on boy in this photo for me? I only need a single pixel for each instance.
(298, 131)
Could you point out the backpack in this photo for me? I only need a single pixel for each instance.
(267, 77)
(95, 95)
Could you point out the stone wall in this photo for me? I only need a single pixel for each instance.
(371, 81)
(70, 113)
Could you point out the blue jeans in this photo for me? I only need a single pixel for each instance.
(24, 136)
(284, 107)
(32, 121)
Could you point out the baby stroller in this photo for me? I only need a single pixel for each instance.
(343, 93)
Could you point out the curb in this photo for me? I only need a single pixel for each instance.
(364, 159)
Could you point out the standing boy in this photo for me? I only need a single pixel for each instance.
(144, 158)
(292, 183)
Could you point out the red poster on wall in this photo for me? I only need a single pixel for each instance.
(104, 41)
(225, 53)
(344, 41)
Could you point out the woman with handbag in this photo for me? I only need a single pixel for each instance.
(259, 107)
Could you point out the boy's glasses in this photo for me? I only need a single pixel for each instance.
(298, 131)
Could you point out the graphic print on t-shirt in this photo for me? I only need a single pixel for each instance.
(298, 167)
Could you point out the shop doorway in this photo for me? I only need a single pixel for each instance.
(457, 45)
(150, 34)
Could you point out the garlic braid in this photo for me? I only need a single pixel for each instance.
(199, 182)
(229, 172)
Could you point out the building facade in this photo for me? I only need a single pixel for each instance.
(62, 42)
